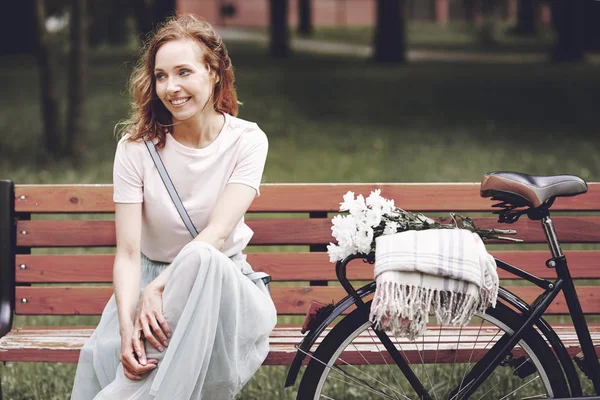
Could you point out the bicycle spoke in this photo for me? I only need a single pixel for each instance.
(498, 383)
(393, 373)
(367, 387)
(367, 362)
(455, 356)
(423, 362)
(471, 355)
(437, 350)
(345, 373)
(461, 388)
(523, 385)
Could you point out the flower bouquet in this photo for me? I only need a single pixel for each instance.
(375, 216)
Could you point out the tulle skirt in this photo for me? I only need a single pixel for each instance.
(220, 322)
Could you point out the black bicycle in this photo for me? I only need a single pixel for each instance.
(509, 351)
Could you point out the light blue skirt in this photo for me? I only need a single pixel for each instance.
(220, 321)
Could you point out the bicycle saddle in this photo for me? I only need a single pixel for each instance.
(529, 190)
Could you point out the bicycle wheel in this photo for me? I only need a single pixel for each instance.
(352, 363)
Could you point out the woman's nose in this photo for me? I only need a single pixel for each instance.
(172, 87)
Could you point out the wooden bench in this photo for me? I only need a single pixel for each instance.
(35, 280)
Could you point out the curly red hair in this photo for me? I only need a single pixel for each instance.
(149, 116)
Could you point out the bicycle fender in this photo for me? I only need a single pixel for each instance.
(312, 335)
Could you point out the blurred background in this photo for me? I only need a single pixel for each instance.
(346, 91)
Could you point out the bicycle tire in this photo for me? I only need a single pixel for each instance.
(538, 354)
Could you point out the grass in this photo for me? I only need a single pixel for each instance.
(457, 36)
(329, 119)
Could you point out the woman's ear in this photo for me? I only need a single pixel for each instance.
(214, 74)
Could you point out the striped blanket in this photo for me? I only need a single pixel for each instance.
(443, 272)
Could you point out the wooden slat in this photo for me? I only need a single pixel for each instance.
(74, 233)
(62, 344)
(296, 197)
(46, 268)
(287, 299)
(43, 268)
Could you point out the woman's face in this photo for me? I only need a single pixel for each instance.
(184, 82)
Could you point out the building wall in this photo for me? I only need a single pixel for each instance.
(340, 13)
(256, 12)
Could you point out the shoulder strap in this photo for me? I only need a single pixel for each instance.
(171, 188)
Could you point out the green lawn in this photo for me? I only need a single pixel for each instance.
(453, 36)
(329, 119)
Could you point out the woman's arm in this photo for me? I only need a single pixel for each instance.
(126, 270)
(231, 207)
(126, 280)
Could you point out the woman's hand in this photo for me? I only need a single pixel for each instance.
(151, 322)
(133, 367)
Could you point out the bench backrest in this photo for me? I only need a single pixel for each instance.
(65, 236)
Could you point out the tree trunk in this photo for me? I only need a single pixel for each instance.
(280, 46)
(144, 18)
(163, 9)
(305, 27)
(77, 75)
(567, 17)
(390, 32)
(19, 17)
(527, 14)
(48, 90)
(486, 34)
(469, 9)
(591, 25)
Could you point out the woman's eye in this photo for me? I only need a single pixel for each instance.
(184, 72)
(159, 76)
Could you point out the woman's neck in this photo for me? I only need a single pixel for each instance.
(199, 132)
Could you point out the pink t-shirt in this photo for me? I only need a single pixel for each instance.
(237, 155)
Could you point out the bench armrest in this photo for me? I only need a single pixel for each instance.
(8, 244)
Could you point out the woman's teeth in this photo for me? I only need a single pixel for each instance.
(179, 102)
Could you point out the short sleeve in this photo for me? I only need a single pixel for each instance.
(127, 174)
(251, 162)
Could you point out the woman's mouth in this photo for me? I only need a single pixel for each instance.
(179, 102)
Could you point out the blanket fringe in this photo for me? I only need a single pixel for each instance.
(403, 310)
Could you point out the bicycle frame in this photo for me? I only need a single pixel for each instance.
(532, 314)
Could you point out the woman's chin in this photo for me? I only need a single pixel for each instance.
(183, 116)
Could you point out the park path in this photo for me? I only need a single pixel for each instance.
(364, 51)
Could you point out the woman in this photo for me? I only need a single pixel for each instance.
(185, 321)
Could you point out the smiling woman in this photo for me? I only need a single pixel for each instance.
(189, 319)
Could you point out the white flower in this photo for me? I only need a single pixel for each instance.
(363, 240)
(372, 218)
(391, 227)
(337, 253)
(377, 202)
(354, 206)
(343, 229)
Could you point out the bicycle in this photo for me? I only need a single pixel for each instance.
(510, 347)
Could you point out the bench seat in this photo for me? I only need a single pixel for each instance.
(62, 344)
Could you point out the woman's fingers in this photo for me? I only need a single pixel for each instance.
(138, 347)
(132, 368)
(146, 321)
(158, 323)
(163, 324)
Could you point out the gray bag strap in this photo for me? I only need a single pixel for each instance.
(164, 175)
